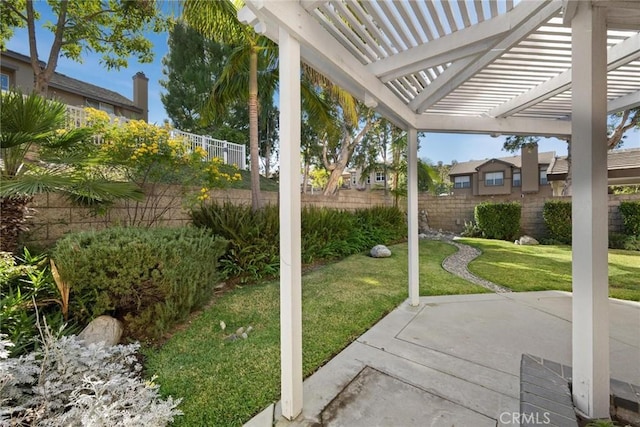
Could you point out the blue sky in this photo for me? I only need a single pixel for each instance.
(434, 147)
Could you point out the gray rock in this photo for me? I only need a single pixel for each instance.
(422, 236)
(528, 240)
(380, 251)
(102, 329)
(240, 330)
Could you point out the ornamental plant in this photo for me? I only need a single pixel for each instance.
(151, 157)
(69, 383)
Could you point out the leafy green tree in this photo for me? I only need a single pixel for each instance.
(191, 67)
(114, 28)
(31, 125)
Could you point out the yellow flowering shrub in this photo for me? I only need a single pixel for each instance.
(151, 154)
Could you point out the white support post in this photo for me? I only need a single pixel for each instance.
(290, 238)
(412, 216)
(590, 211)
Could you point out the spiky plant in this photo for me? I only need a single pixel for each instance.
(27, 125)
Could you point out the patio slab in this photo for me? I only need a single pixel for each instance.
(453, 360)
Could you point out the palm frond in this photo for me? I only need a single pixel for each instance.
(217, 20)
(31, 114)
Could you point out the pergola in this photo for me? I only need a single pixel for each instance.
(529, 67)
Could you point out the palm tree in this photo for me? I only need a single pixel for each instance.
(29, 124)
(252, 65)
(219, 21)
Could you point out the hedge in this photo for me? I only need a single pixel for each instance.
(630, 212)
(149, 278)
(557, 218)
(498, 220)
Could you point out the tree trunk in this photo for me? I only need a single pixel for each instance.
(305, 178)
(254, 147)
(566, 188)
(267, 159)
(14, 213)
(334, 180)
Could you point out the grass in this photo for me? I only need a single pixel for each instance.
(537, 268)
(225, 383)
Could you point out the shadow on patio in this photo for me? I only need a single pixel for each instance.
(452, 360)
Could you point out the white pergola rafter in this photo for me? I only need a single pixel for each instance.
(452, 47)
(619, 54)
(461, 71)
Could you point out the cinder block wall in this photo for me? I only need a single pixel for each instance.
(449, 213)
(55, 216)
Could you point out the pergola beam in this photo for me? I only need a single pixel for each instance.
(493, 126)
(626, 102)
(461, 71)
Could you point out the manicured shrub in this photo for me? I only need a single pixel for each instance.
(498, 220)
(150, 278)
(623, 241)
(630, 212)
(67, 383)
(327, 234)
(557, 218)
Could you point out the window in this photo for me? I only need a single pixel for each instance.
(354, 179)
(4, 81)
(517, 178)
(381, 177)
(543, 176)
(369, 179)
(493, 179)
(108, 108)
(462, 182)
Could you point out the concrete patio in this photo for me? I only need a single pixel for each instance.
(452, 361)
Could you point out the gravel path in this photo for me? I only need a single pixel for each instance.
(458, 262)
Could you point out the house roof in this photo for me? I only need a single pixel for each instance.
(467, 168)
(70, 84)
(623, 160)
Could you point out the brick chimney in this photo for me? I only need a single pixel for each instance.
(530, 169)
(141, 94)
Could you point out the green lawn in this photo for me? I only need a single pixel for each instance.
(224, 383)
(537, 268)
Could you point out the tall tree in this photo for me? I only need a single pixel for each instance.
(339, 143)
(114, 28)
(219, 20)
(618, 125)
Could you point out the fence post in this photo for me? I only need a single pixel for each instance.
(225, 152)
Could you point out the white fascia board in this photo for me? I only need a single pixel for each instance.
(457, 45)
(537, 13)
(623, 103)
(490, 125)
(618, 55)
(321, 51)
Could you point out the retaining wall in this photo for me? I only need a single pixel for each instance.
(55, 216)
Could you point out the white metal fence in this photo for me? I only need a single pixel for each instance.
(231, 153)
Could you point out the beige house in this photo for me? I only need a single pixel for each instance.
(515, 175)
(623, 168)
(16, 72)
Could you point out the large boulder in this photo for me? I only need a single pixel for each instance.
(380, 251)
(102, 329)
(527, 240)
